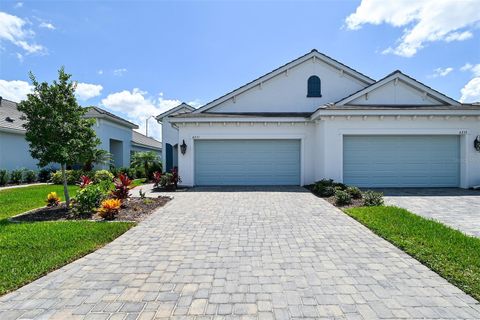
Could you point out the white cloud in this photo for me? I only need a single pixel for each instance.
(85, 91)
(138, 106)
(474, 68)
(100, 72)
(18, 5)
(15, 90)
(471, 91)
(46, 25)
(13, 29)
(423, 21)
(19, 56)
(119, 72)
(441, 72)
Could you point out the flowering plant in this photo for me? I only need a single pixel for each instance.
(109, 208)
(53, 199)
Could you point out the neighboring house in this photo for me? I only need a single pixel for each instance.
(170, 135)
(316, 118)
(115, 133)
(142, 143)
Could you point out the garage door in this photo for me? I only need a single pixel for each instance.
(401, 161)
(247, 162)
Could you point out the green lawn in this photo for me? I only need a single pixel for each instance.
(18, 200)
(30, 250)
(138, 182)
(448, 252)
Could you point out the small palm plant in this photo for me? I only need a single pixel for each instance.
(145, 160)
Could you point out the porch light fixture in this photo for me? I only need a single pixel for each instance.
(183, 147)
(476, 143)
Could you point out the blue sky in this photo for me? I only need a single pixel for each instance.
(143, 57)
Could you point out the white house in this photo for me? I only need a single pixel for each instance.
(315, 118)
(115, 133)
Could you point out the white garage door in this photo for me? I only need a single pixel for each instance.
(401, 161)
(247, 162)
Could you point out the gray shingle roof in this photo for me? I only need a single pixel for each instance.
(143, 140)
(8, 109)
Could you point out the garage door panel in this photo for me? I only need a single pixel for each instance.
(247, 162)
(401, 161)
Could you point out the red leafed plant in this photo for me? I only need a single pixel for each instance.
(157, 176)
(168, 180)
(122, 187)
(84, 181)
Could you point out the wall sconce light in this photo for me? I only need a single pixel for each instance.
(183, 147)
(476, 143)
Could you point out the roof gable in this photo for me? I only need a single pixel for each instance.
(265, 80)
(181, 108)
(397, 89)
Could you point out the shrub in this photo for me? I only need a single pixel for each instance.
(4, 177)
(342, 198)
(45, 174)
(16, 176)
(53, 199)
(154, 167)
(354, 192)
(323, 190)
(372, 199)
(340, 186)
(109, 208)
(29, 176)
(73, 176)
(167, 181)
(103, 175)
(122, 187)
(89, 198)
(85, 181)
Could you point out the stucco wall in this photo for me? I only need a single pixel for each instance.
(322, 141)
(107, 130)
(14, 152)
(332, 131)
(288, 93)
(302, 131)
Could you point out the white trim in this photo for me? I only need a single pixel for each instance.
(179, 121)
(409, 81)
(395, 112)
(14, 131)
(181, 106)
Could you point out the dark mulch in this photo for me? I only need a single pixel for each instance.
(135, 209)
(355, 202)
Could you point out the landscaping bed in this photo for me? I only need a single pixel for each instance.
(134, 209)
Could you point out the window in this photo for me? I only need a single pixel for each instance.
(314, 87)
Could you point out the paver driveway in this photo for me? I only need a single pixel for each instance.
(272, 253)
(457, 208)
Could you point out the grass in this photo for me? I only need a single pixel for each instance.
(448, 252)
(17, 200)
(30, 250)
(138, 182)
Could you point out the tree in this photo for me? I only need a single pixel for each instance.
(57, 132)
(145, 160)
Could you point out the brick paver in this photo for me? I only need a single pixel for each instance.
(457, 208)
(249, 254)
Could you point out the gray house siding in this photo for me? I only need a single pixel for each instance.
(116, 140)
(14, 152)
